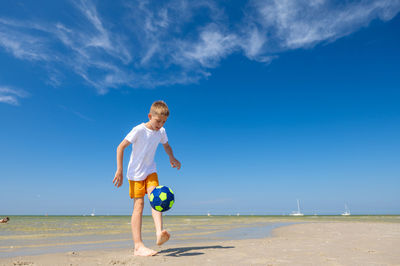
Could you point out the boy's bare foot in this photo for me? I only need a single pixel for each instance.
(144, 252)
(163, 237)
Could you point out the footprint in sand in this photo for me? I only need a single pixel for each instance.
(22, 263)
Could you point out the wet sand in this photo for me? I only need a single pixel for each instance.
(320, 243)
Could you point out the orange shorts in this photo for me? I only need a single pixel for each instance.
(137, 189)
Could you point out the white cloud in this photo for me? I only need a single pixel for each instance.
(90, 49)
(11, 96)
(22, 46)
(211, 47)
(302, 24)
(178, 41)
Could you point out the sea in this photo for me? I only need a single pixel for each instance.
(34, 235)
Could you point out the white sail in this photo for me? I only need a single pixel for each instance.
(346, 211)
(298, 213)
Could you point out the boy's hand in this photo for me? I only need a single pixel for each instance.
(175, 163)
(118, 179)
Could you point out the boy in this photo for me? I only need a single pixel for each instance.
(141, 172)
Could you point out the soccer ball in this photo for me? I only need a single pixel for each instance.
(162, 198)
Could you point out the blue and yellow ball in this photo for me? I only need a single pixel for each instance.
(162, 198)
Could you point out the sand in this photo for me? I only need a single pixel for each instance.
(322, 243)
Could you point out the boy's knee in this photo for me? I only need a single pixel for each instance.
(149, 190)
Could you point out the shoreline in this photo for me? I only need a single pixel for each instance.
(249, 231)
(319, 243)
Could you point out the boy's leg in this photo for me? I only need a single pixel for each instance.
(162, 235)
(136, 224)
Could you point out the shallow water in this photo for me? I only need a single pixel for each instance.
(28, 235)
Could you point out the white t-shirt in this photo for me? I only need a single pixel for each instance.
(144, 145)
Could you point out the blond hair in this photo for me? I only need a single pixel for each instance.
(159, 108)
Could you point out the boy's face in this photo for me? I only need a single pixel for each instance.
(157, 121)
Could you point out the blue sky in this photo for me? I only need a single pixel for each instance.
(270, 102)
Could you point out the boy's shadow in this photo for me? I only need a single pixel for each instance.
(178, 252)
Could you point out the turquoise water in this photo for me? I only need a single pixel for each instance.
(28, 235)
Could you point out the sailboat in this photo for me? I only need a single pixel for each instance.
(346, 211)
(92, 214)
(298, 213)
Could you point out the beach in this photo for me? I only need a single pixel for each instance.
(302, 241)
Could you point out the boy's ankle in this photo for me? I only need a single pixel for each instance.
(138, 245)
(163, 237)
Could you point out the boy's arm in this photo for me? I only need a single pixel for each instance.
(174, 162)
(118, 179)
